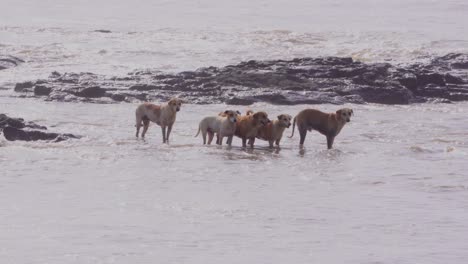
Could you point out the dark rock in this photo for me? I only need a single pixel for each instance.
(42, 90)
(13, 134)
(409, 81)
(453, 79)
(102, 31)
(118, 97)
(20, 87)
(13, 129)
(432, 78)
(7, 62)
(92, 92)
(143, 87)
(331, 80)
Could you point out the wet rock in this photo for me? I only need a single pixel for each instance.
(42, 90)
(449, 78)
(13, 134)
(332, 80)
(118, 97)
(102, 31)
(7, 62)
(22, 87)
(17, 129)
(92, 92)
(431, 78)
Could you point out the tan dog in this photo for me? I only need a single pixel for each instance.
(328, 124)
(223, 125)
(164, 115)
(273, 131)
(248, 125)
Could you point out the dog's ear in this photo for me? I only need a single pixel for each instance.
(280, 116)
(226, 112)
(238, 112)
(352, 112)
(338, 114)
(255, 116)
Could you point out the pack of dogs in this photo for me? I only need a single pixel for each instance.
(249, 127)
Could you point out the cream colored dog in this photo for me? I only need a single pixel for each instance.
(164, 115)
(328, 124)
(248, 125)
(273, 131)
(223, 125)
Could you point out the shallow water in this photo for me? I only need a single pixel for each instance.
(393, 190)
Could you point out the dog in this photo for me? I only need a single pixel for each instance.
(224, 113)
(328, 124)
(273, 131)
(223, 125)
(164, 115)
(248, 125)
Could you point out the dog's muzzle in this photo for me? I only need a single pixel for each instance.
(177, 109)
(347, 120)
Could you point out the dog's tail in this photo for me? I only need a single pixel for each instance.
(294, 125)
(198, 131)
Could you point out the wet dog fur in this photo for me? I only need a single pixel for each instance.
(223, 125)
(248, 125)
(273, 131)
(164, 115)
(328, 124)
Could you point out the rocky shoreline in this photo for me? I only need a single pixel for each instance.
(17, 129)
(331, 80)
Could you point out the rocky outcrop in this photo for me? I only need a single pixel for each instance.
(17, 129)
(7, 62)
(332, 80)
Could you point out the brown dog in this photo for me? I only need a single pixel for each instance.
(328, 124)
(164, 115)
(248, 125)
(273, 131)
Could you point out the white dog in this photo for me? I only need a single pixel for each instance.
(223, 125)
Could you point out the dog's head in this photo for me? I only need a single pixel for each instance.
(344, 114)
(231, 115)
(175, 104)
(261, 117)
(284, 120)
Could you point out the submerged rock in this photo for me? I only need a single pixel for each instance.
(16, 129)
(332, 80)
(7, 62)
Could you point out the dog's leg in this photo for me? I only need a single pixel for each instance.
(244, 142)
(220, 140)
(169, 129)
(145, 127)
(302, 133)
(138, 125)
(330, 140)
(210, 137)
(229, 140)
(271, 143)
(251, 142)
(163, 129)
(204, 136)
(277, 142)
